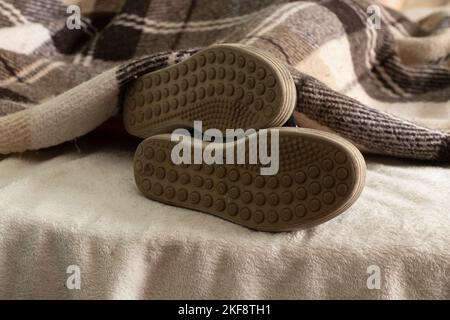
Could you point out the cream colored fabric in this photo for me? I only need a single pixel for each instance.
(77, 204)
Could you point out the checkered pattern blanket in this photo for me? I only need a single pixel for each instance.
(385, 87)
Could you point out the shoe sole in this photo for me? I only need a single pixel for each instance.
(224, 86)
(320, 176)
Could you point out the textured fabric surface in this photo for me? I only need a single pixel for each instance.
(77, 204)
(386, 89)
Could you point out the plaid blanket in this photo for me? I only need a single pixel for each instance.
(386, 87)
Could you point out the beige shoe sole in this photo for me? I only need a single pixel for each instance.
(320, 175)
(225, 86)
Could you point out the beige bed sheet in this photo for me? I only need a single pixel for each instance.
(77, 205)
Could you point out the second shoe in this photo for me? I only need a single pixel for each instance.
(319, 175)
(225, 86)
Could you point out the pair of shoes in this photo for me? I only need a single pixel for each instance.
(318, 176)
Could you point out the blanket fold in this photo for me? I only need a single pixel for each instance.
(384, 86)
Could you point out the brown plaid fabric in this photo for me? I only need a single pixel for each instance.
(386, 89)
